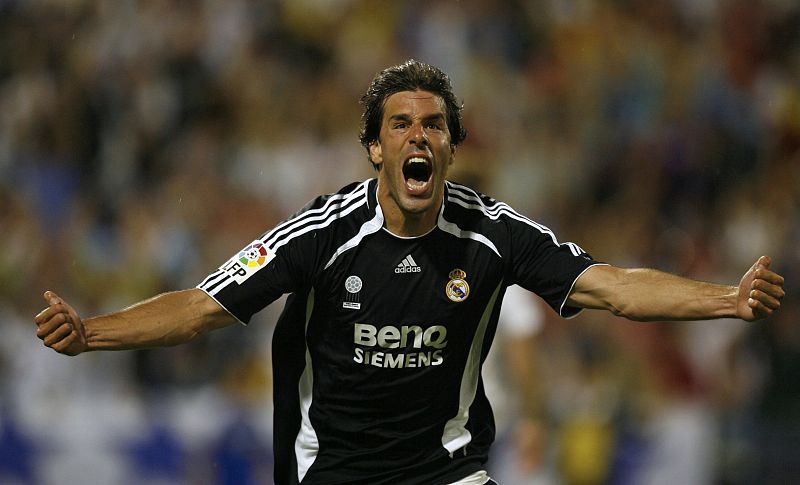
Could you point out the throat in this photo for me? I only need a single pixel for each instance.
(410, 226)
(405, 217)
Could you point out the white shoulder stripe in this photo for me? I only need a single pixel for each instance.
(216, 275)
(576, 250)
(325, 223)
(497, 209)
(313, 215)
(293, 228)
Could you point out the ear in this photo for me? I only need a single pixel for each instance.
(452, 154)
(375, 153)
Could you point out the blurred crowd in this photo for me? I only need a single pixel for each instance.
(142, 143)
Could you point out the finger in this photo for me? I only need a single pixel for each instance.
(44, 316)
(58, 334)
(775, 291)
(767, 275)
(51, 298)
(767, 300)
(55, 305)
(759, 310)
(49, 313)
(51, 325)
(62, 345)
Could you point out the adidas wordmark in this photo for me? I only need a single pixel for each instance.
(408, 265)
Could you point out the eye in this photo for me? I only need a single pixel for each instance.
(437, 123)
(400, 125)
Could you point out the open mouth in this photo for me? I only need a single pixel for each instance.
(417, 172)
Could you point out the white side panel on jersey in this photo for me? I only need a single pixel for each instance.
(370, 227)
(306, 445)
(456, 435)
(453, 229)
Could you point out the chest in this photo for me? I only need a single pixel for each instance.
(433, 279)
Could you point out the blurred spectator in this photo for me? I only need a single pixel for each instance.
(513, 385)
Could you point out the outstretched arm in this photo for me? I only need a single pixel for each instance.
(164, 320)
(646, 294)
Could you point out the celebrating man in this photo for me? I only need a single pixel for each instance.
(396, 285)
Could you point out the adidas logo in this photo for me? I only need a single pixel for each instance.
(408, 265)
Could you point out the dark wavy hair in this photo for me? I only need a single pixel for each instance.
(409, 76)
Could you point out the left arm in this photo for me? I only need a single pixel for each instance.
(647, 294)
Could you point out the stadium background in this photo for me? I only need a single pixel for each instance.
(142, 143)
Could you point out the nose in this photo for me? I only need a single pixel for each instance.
(418, 135)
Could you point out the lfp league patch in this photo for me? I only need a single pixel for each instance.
(248, 261)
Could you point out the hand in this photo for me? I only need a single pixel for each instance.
(60, 327)
(760, 291)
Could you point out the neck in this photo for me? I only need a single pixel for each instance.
(405, 223)
(410, 225)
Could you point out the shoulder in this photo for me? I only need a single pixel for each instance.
(468, 204)
(352, 195)
(478, 212)
(326, 216)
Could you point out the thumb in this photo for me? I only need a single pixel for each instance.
(763, 262)
(51, 298)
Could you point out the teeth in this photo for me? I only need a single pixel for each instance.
(417, 172)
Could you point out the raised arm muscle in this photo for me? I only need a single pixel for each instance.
(164, 320)
(647, 294)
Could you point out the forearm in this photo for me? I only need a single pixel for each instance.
(164, 320)
(647, 294)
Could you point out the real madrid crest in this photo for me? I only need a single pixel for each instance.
(457, 288)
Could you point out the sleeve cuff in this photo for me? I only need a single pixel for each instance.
(567, 311)
(223, 306)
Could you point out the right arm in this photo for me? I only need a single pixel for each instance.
(164, 320)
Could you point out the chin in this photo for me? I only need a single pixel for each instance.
(417, 206)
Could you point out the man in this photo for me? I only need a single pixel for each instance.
(396, 284)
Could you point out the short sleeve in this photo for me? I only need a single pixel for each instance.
(541, 264)
(259, 274)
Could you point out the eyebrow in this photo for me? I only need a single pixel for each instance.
(407, 117)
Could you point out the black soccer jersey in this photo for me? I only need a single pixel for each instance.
(378, 352)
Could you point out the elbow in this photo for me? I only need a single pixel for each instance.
(181, 337)
(628, 312)
(620, 312)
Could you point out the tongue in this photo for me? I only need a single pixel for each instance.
(416, 187)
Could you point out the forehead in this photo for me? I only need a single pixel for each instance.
(413, 103)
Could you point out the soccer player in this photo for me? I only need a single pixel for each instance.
(395, 288)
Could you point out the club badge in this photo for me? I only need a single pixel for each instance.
(457, 288)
